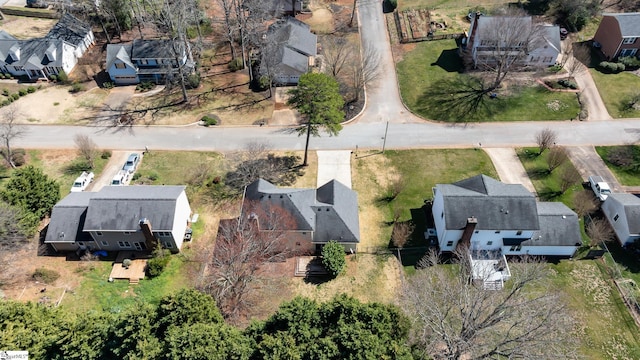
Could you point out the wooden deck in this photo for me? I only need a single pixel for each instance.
(136, 270)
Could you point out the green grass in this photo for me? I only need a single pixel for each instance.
(626, 175)
(616, 90)
(436, 62)
(448, 4)
(547, 185)
(176, 167)
(604, 326)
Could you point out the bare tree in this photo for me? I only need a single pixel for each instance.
(505, 45)
(230, 23)
(599, 231)
(576, 58)
(558, 155)
(456, 319)
(584, 203)
(336, 51)
(545, 138)
(243, 245)
(365, 72)
(13, 238)
(569, 177)
(401, 233)
(10, 130)
(87, 149)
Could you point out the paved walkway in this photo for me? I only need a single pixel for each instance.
(334, 165)
(509, 167)
(589, 92)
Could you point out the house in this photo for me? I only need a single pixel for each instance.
(618, 35)
(291, 48)
(278, 8)
(120, 218)
(487, 214)
(41, 58)
(623, 214)
(146, 60)
(316, 216)
(532, 45)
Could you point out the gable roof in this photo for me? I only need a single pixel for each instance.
(559, 226)
(120, 208)
(487, 25)
(331, 211)
(32, 54)
(551, 35)
(496, 205)
(295, 35)
(67, 218)
(153, 49)
(69, 29)
(120, 52)
(631, 205)
(629, 23)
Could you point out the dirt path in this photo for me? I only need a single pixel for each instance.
(509, 167)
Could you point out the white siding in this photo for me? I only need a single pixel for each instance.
(69, 59)
(611, 208)
(181, 219)
(567, 251)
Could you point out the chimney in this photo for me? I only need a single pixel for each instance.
(151, 241)
(468, 232)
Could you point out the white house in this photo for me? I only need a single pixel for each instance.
(623, 213)
(120, 218)
(490, 40)
(489, 215)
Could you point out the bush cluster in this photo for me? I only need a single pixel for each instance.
(145, 86)
(210, 120)
(611, 67)
(108, 85)
(629, 61)
(235, 64)
(568, 84)
(105, 154)
(157, 264)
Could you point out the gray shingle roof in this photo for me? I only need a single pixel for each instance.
(631, 204)
(558, 226)
(496, 205)
(153, 49)
(120, 208)
(6, 36)
(69, 29)
(551, 34)
(120, 52)
(294, 34)
(629, 23)
(67, 218)
(331, 211)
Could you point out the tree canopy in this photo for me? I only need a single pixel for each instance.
(317, 97)
(333, 258)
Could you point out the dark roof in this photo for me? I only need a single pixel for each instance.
(294, 34)
(120, 208)
(631, 205)
(287, 61)
(120, 52)
(278, 7)
(559, 226)
(67, 218)
(496, 205)
(629, 23)
(153, 49)
(331, 211)
(69, 29)
(6, 36)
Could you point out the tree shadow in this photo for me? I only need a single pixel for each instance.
(417, 245)
(76, 166)
(548, 194)
(449, 61)
(625, 257)
(538, 173)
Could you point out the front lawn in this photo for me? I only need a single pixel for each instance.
(433, 69)
(616, 91)
(623, 162)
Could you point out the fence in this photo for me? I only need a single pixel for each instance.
(37, 13)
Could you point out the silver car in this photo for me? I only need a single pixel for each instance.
(132, 163)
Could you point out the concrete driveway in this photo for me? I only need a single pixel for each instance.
(114, 165)
(509, 167)
(589, 93)
(588, 162)
(334, 165)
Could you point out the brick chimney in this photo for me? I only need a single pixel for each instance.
(468, 232)
(150, 239)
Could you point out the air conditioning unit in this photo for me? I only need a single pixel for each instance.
(431, 232)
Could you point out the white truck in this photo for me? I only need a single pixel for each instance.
(82, 181)
(599, 187)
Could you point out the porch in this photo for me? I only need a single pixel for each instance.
(490, 268)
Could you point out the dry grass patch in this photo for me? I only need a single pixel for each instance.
(27, 27)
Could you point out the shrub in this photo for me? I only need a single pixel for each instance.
(108, 85)
(126, 263)
(62, 77)
(145, 86)
(210, 120)
(390, 5)
(555, 68)
(22, 92)
(5, 102)
(15, 96)
(611, 67)
(53, 78)
(56, 103)
(334, 258)
(235, 64)
(5, 92)
(76, 88)
(153, 176)
(264, 82)
(105, 154)
(31, 89)
(630, 61)
(46, 276)
(18, 159)
(158, 263)
(1, 76)
(10, 99)
(193, 80)
(135, 176)
(568, 84)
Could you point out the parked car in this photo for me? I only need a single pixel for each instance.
(599, 187)
(82, 181)
(120, 178)
(132, 163)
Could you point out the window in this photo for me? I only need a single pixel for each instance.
(127, 232)
(104, 243)
(629, 40)
(168, 245)
(124, 244)
(516, 248)
(615, 218)
(548, 59)
(497, 231)
(144, 61)
(449, 243)
(489, 243)
(477, 231)
(121, 66)
(99, 233)
(519, 232)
